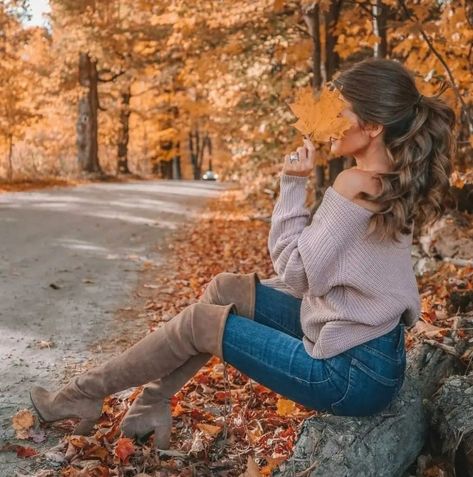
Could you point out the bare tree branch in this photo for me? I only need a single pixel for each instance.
(412, 16)
(112, 78)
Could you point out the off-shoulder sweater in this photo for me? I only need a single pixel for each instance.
(353, 288)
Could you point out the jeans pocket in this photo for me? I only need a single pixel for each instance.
(388, 348)
(367, 391)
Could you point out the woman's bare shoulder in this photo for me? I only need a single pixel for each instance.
(351, 181)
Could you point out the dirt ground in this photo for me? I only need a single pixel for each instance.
(70, 260)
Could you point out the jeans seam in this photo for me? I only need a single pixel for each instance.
(273, 367)
(332, 370)
(380, 354)
(289, 332)
(349, 379)
(389, 382)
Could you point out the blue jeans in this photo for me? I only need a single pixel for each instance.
(358, 382)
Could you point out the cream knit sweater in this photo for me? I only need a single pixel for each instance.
(353, 289)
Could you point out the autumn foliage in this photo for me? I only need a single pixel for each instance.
(118, 86)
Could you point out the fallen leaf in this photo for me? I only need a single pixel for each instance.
(273, 462)
(285, 407)
(97, 451)
(427, 329)
(252, 469)
(209, 428)
(45, 344)
(124, 448)
(197, 443)
(147, 285)
(22, 421)
(21, 451)
(79, 441)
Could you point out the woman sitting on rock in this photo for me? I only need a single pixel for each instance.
(328, 331)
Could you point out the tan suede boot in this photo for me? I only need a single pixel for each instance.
(196, 329)
(151, 411)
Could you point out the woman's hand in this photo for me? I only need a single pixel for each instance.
(305, 164)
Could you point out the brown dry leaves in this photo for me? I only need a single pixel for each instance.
(222, 420)
(224, 423)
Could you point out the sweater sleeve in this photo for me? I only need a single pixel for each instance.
(303, 254)
(308, 257)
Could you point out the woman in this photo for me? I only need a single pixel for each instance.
(328, 332)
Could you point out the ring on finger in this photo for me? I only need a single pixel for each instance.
(294, 156)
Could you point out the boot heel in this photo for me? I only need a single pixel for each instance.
(40, 417)
(162, 437)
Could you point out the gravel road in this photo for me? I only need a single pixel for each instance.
(69, 259)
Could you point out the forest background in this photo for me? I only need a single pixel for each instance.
(139, 89)
(111, 87)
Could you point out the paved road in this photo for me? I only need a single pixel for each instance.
(69, 258)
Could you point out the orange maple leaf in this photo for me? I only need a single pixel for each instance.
(285, 407)
(319, 115)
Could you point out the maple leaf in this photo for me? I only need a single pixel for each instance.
(319, 116)
(285, 407)
(252, 469)
(21, 451)
(124, 448)
(22, 421)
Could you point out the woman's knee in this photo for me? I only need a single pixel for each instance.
(237, 288)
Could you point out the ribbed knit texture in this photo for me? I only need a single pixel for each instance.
(353, 288)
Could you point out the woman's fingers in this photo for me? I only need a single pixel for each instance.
(302, 151)
(305, 164)
(309, 144)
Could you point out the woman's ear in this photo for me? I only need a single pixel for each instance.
(374, 130)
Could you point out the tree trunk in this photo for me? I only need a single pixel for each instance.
(379, 28)
(195, 153)
(332, 59)
(312, 20)
(464, 198)
(176, 167)
(87, 122)
(335, 166)
(452, 423)
(124, 133)
(168, 169)
(382, 445)
(331, 65)
(10, 158)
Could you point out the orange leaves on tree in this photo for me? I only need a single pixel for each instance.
(319, 116)
(124, 448)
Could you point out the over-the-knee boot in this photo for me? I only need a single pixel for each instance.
(151, 411)
(196, 329)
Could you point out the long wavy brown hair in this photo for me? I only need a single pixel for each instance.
(419, 139)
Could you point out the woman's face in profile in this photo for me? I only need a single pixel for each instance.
(354, 140)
